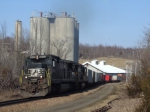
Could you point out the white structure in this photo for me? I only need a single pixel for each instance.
(93, 73)
(105, 68)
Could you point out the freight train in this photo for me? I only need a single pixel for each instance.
(44, 74)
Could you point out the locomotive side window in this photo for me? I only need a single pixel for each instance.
(79, 69)
(53, 63)
(49, 63)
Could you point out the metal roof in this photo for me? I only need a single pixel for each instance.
(105, 68)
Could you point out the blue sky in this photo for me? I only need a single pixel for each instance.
(107, 22)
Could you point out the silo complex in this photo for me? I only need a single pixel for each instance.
(58, 36)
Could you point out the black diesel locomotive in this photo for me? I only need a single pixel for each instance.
(43, 74)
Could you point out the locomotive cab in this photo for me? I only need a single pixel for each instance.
(35, 79)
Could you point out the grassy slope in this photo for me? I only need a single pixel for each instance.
(117, 62)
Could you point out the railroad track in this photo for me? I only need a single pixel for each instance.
(18, 101)
(25, 100)
(103, 109)
(106, 107)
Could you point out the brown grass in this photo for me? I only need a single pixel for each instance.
(125, 105)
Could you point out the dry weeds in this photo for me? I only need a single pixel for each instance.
(125, 105)
(10, 95)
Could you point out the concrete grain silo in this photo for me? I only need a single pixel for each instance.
(65, 35)
(65, 28)
(39, 35)
(18, 35)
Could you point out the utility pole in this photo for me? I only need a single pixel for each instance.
(127, 70)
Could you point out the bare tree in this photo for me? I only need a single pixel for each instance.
(3, 30)
(7, 59)
(3, 34)
(88, 51)
(61, 48)
(143, 76)
(25, 46)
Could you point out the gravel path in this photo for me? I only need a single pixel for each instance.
(82, 102)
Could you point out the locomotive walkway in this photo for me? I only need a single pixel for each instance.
(83, 102)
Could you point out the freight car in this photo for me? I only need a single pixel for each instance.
(116, 78)
(43, 74)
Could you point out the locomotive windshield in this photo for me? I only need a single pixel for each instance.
(40, 63)
(34, 65)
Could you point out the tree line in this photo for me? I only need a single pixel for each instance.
(87, 51)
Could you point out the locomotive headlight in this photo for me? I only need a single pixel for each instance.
(41, 76)
(25, 77)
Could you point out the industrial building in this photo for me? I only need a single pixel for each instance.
(106, 69)
(93, 73)
(57, 35)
